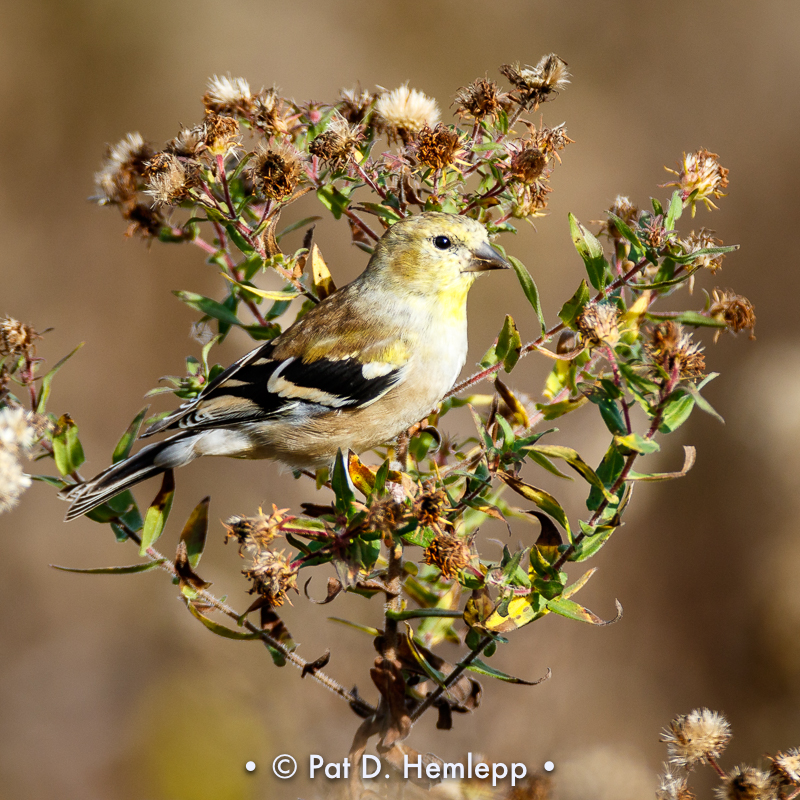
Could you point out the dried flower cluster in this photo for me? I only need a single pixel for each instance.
(673, 354)
(17, 436)
(700, 178)
(700, 738)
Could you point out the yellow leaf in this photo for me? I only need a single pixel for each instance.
(320, 274)
(261, 292)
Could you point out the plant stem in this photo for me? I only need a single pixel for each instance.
(299, 662)
(450, 680)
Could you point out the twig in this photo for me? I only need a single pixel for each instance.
(298, 661)
(450, 680)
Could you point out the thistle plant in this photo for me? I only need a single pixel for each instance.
(401, 524)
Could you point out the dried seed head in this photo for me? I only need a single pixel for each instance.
(702, 173)
(702, 241)
(672, 786)
(15, 337)
(696, 737)
(598, 324)
(449, 552)
(143, 219)
(355, 104)
(536, 84)
(404, 112)
(272, 576)
(276, 170)
(269, 112)
(747, 783)
(189, 143)
(436, 147)
(255, 533)
(481, 99)
(169, 179)
(220, 134)
(550, 140)
(17, 432)
(527, 163)
(17, 436)
(13, 481)
(786, 766)
(735, 311)
(384, 515)
(227, 95)
(429, 508)
(530, 200)
(337, 143)
(672, 350)
(122, 170)
(653, 232)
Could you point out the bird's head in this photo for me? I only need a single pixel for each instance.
(435, 253)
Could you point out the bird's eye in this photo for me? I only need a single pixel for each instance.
(442, 242)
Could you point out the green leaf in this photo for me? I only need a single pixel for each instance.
(702, 403)
(573, 307)
(688, 258)
(238, 239)
(571, 610)
(44, 392)
(637, 443)
(418, 613)
(609, 471)
(335, 201)
(529, 288)
(482, 668)
(612, 416)
(362, 628)
(208, 307)
(543, 499)
(509, 344)
(221, 630)
(67, 449)
(58, 483)
(689, 318)
(598, 536)
(675, 210)
(129, 570)
(624, 228)
(340, 483)
(295, 225)
(590, 250)
(194, 532)
(156, 517)
(124, 445)
(676, 412)
(572, 457)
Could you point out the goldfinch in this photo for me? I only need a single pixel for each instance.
(359, 368)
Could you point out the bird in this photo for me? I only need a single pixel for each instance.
(359, 368)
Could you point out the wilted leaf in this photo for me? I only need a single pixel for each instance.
(194, 532)
(156, 517)
(543, 499)
(571, 610)
(128, 570)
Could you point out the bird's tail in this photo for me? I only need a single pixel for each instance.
(148, 462)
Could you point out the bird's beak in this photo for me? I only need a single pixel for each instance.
(485, 258)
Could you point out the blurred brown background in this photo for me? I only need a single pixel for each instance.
(107, 688)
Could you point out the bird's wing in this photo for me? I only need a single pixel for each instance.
(283, 376)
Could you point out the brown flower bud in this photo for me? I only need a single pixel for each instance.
(276, 170)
